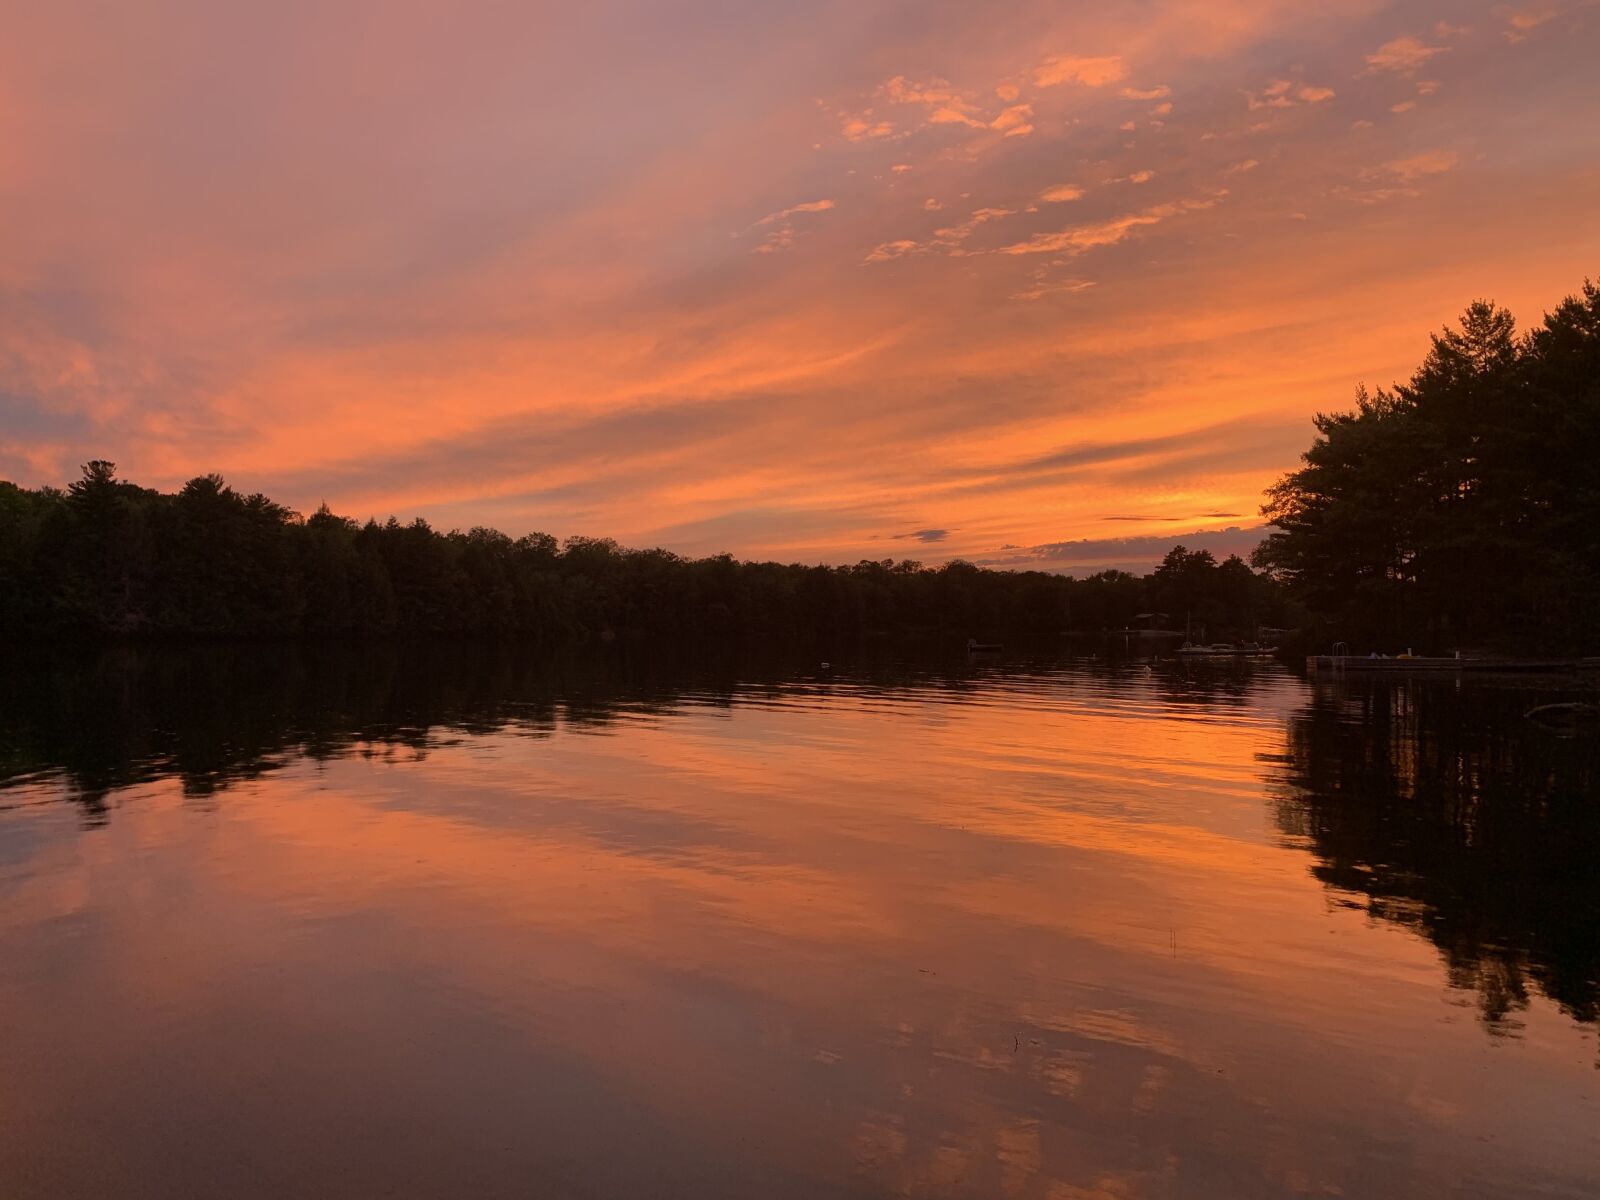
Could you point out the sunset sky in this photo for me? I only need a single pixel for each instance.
(1024, 283)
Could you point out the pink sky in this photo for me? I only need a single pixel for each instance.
(1022, 283)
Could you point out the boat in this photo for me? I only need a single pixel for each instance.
(974, 646)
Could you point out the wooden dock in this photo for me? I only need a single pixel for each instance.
(1418, 664)
(1318, 663)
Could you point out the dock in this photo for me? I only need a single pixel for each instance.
(1334, 663)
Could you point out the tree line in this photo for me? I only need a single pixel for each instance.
(1456, 511)
(1462, 509)
(107, 557)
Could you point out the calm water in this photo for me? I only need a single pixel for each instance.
(487, 923)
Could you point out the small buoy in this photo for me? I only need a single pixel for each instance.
(825, 666)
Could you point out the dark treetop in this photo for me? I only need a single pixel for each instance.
(1461, 509)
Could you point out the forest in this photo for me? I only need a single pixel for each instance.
(105, 557)
(1457, 511)
(1460, 510)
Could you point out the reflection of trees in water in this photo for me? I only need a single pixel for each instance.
(210, 716)
(1441, 806)
(1456, 817)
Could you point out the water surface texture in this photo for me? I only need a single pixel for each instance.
(478, 922)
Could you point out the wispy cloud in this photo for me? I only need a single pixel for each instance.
(957, 233)
(782, 235)
(1402, 54)
(1061, 192)
(1014, 121)
(949, 239)
(885, 251)
(858, 127)
(945, 105)
(1068, 68)
(1157, 518)
(1417, 166)
(809, 206)
(1520, 22)
(1045, 282)
(1082, 238)
(1286, 93)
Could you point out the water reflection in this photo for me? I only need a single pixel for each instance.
(108, 720)
(465, 920)
(1442, 809)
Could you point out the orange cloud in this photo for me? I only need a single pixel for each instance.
(1418, 166)
(810, 206)
(1521, 22)
(1061, 192)
(1014, 120)
(860, 127)
(885, 251)
(1082, 238)
(782, 236)
(1284, 93)
(1402, 54)
(945, 105)
(1067, 68)
(1044, 285)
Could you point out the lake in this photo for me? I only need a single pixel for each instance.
(478, 921)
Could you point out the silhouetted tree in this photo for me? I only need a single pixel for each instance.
(106, 557)
(1461, 507)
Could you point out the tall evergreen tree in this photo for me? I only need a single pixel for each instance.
(1461, 507)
